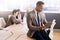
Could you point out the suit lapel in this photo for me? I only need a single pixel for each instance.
(35, 16)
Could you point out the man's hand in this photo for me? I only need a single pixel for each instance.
(42, 28)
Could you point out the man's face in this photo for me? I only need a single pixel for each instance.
(39, 8)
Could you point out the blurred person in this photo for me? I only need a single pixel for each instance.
(14, 18)
(35, 20)
(25, 15)
(27, 11)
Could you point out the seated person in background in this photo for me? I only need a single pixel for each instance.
(14, 18)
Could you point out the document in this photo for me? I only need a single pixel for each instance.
(48, 24)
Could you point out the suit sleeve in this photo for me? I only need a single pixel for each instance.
(44, 18)
(45, 21)
(29, 23)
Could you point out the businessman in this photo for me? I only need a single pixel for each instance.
(35, 20)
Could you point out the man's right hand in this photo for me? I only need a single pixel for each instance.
(42, 28)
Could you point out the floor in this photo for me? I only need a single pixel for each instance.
(56, 36)
(18, 32)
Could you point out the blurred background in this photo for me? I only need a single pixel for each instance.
(19, 31)
(51, 8)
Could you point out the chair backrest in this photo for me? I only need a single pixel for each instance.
(51, 29)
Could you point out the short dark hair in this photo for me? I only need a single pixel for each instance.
(14, 11)
(39, 3)
(18, 9)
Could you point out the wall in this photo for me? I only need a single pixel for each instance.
(49, 16)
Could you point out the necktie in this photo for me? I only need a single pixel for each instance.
(38, 19)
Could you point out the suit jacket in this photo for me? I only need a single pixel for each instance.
(32, 22)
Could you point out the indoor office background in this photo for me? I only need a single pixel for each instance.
(19, 31)
(51, 8)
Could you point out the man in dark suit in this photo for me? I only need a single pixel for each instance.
(35, 21)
